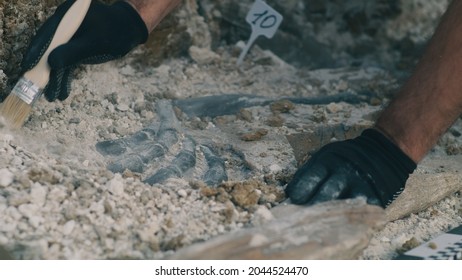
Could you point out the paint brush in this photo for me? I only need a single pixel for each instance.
(17, 106)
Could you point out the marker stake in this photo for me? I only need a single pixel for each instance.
(264, 20)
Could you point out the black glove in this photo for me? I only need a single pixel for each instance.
(108, 32)
(369, 166)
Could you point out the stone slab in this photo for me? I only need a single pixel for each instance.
(332, 230)
(434, 179)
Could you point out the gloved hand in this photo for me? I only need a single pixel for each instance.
(108, 32)
(369, 166)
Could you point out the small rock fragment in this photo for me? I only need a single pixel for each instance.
(116, 185)
(282, 106)
(122, 107)
(38, 194)
(6, 177)
(244, 115)
(68, 227)
(275, 120)
(254, 136)
(334, 108)
(202, 55)
(182, 193)
(261, 216)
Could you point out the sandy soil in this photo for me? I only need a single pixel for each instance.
(59, 201)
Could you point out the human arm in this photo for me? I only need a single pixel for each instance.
(424, 108)
(152, 12)
(431, 100)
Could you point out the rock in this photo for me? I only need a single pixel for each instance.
(244, 115)
(29, 210)
(245, 194)
(282, 106)
(182, 193)
(18, 199)
(127, 70)
(429, 184)
(35, 221)
(122, 107)
(202, 55)
(334, 108)
(254, 136)
(332, 230)
(262, 216)
(68, 227)
(116, 185)
(275, 120)
(38, 194)
(6, 177)
(74, 120)
(44, 174)
(274, 168)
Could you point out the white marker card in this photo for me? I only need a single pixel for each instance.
(264, 20)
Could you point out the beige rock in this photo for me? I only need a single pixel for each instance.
(203, 55)
(333, 230)
(435, 179)
(6, 177)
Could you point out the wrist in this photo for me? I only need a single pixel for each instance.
(138, 8)
(388, 145)
(152, 12)
(414, 154)
(133, 21)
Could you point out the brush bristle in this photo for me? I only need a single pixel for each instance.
(15, 111)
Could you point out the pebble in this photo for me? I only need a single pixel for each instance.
(334, 108)
(18, 199)
(254, 136)
(68, 227)
(6, 177)
(13, 212)
(182, 193)
(203, 55)
(261, 216)
(122, 107)
(116, 185)
(28, 210)
(274, 168)
(127, 70)
(282, 106)
(74, 121)
(35, 221)
(38, 194)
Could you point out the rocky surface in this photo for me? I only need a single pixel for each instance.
(59, 198)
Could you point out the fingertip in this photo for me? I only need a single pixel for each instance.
(296, 193)
(58, 86)
(333, 188)
(50, 93)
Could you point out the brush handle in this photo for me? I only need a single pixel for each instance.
(40, 74)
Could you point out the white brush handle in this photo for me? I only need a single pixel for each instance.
(40, 74)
